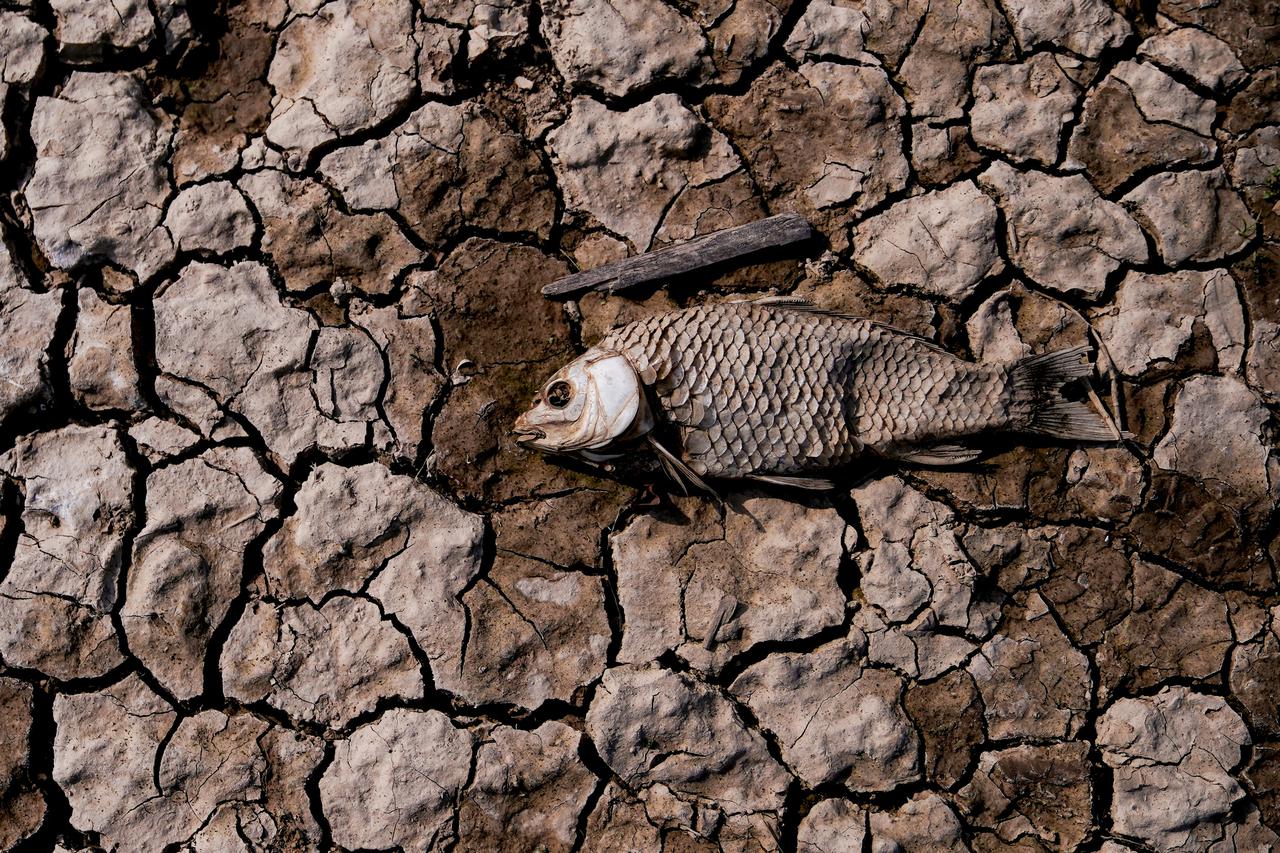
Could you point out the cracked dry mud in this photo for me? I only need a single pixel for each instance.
(273, 575)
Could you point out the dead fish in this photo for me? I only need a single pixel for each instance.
(782, 391)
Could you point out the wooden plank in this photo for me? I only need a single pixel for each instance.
(719, 247)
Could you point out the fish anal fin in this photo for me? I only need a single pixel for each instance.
(940, 454)
(816, 484)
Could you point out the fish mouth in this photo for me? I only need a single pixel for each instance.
(527, 435)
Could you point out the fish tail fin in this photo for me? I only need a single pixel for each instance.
(1040, 406)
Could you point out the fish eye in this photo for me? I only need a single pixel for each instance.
(559, 394)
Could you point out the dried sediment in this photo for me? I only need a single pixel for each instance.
(274, 576)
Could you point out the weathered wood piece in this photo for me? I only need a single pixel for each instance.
(775, 232)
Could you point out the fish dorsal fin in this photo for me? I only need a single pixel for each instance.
(940, 454)
(798, 303)
(816, 484)
(920, 339)
(802, 305)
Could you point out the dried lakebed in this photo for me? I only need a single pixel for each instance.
(274, 576)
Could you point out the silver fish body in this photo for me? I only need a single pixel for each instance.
(779, 389)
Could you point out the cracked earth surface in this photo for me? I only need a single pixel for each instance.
(274, 577)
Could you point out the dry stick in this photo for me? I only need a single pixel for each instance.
(1106, 415)
(782, 230)
(1112, 415)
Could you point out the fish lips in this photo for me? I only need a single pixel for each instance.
(525, 434)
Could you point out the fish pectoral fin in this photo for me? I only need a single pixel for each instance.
(940, 454)
(674, 475)
(677, 470)
(817, 484)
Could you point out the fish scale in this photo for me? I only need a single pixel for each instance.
(831, 384)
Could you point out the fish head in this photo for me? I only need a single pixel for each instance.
(586, 404)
